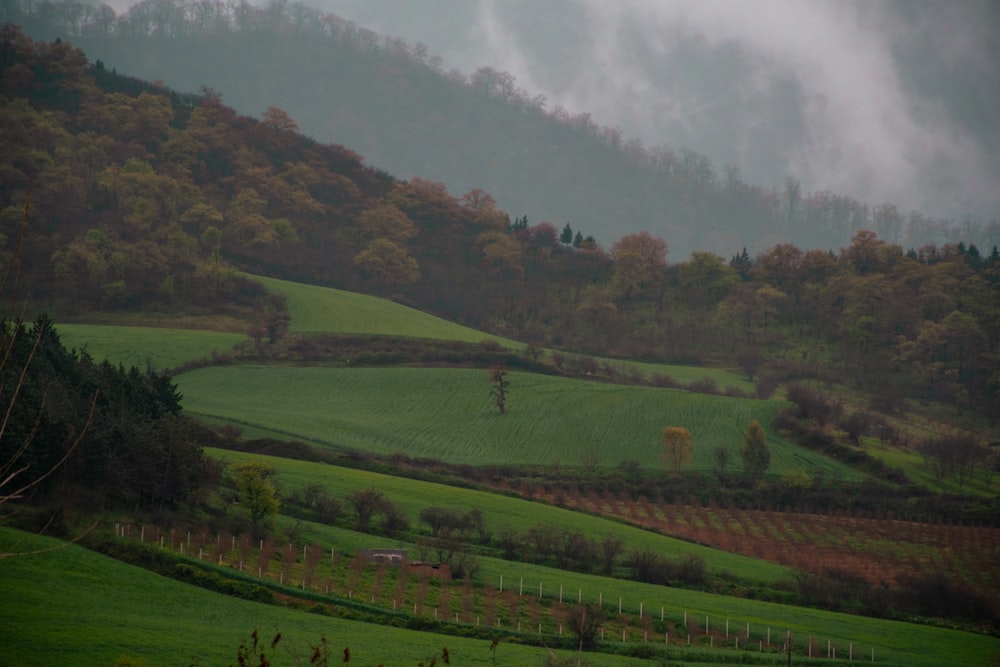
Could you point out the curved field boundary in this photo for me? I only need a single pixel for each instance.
(328, 310)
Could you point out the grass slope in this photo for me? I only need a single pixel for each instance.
(327, 310)
(72, 607)
(135, 346)
(447, 414)
(500, 511)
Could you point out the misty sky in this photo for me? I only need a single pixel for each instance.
(887, 101)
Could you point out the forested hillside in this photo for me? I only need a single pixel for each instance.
(394, 104)
(142, 197)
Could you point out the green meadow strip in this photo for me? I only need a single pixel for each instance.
(141, 346)
(327, 310)
(448, 414)
(69, 606)
(500, 511)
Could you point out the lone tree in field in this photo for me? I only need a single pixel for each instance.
(257, 494)
(676, 447)
(721, 458)
(501, 385)
(755, 453)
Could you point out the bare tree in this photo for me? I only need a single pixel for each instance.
(501, 385)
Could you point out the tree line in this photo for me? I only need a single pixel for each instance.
(406, 113)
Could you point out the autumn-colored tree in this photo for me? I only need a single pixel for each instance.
(639, 262)
(278, 120)
(676, 448)
(501, 253)
(385, 220)
(387, 263)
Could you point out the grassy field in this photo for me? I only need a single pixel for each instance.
(501, 512)
(328, 310)
(69, 606)
(73, 607)
(448, 414)
(137, 346)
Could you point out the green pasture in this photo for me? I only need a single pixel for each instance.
(500, 511)
(137, 346)
(69, 606)
(448, 414)
(327, 310)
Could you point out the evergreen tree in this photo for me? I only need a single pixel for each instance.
(566, 238)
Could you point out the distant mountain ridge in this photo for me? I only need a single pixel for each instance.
(393, 104)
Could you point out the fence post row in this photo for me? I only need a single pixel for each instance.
(124, 530)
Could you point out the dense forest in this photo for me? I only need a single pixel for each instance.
(393, 103)
(141, 197)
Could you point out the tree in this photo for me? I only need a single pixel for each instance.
(566, 238)
(388, 263)
(256, 493)
(278, 121)
(611, 547)
(366, 503)
(584, 622)
(857, 425)
(640, 260)
(676, 447)
(501, 385)
(755, 452)
(386, 221)
(721, 458)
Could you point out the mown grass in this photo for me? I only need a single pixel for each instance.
(448, 414)
(500, 511)
(73, 607)
(139, 346)
(327, 310)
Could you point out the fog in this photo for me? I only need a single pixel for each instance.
(891, 101)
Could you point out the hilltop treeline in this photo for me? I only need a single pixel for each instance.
(395, 104)
(141, 196)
